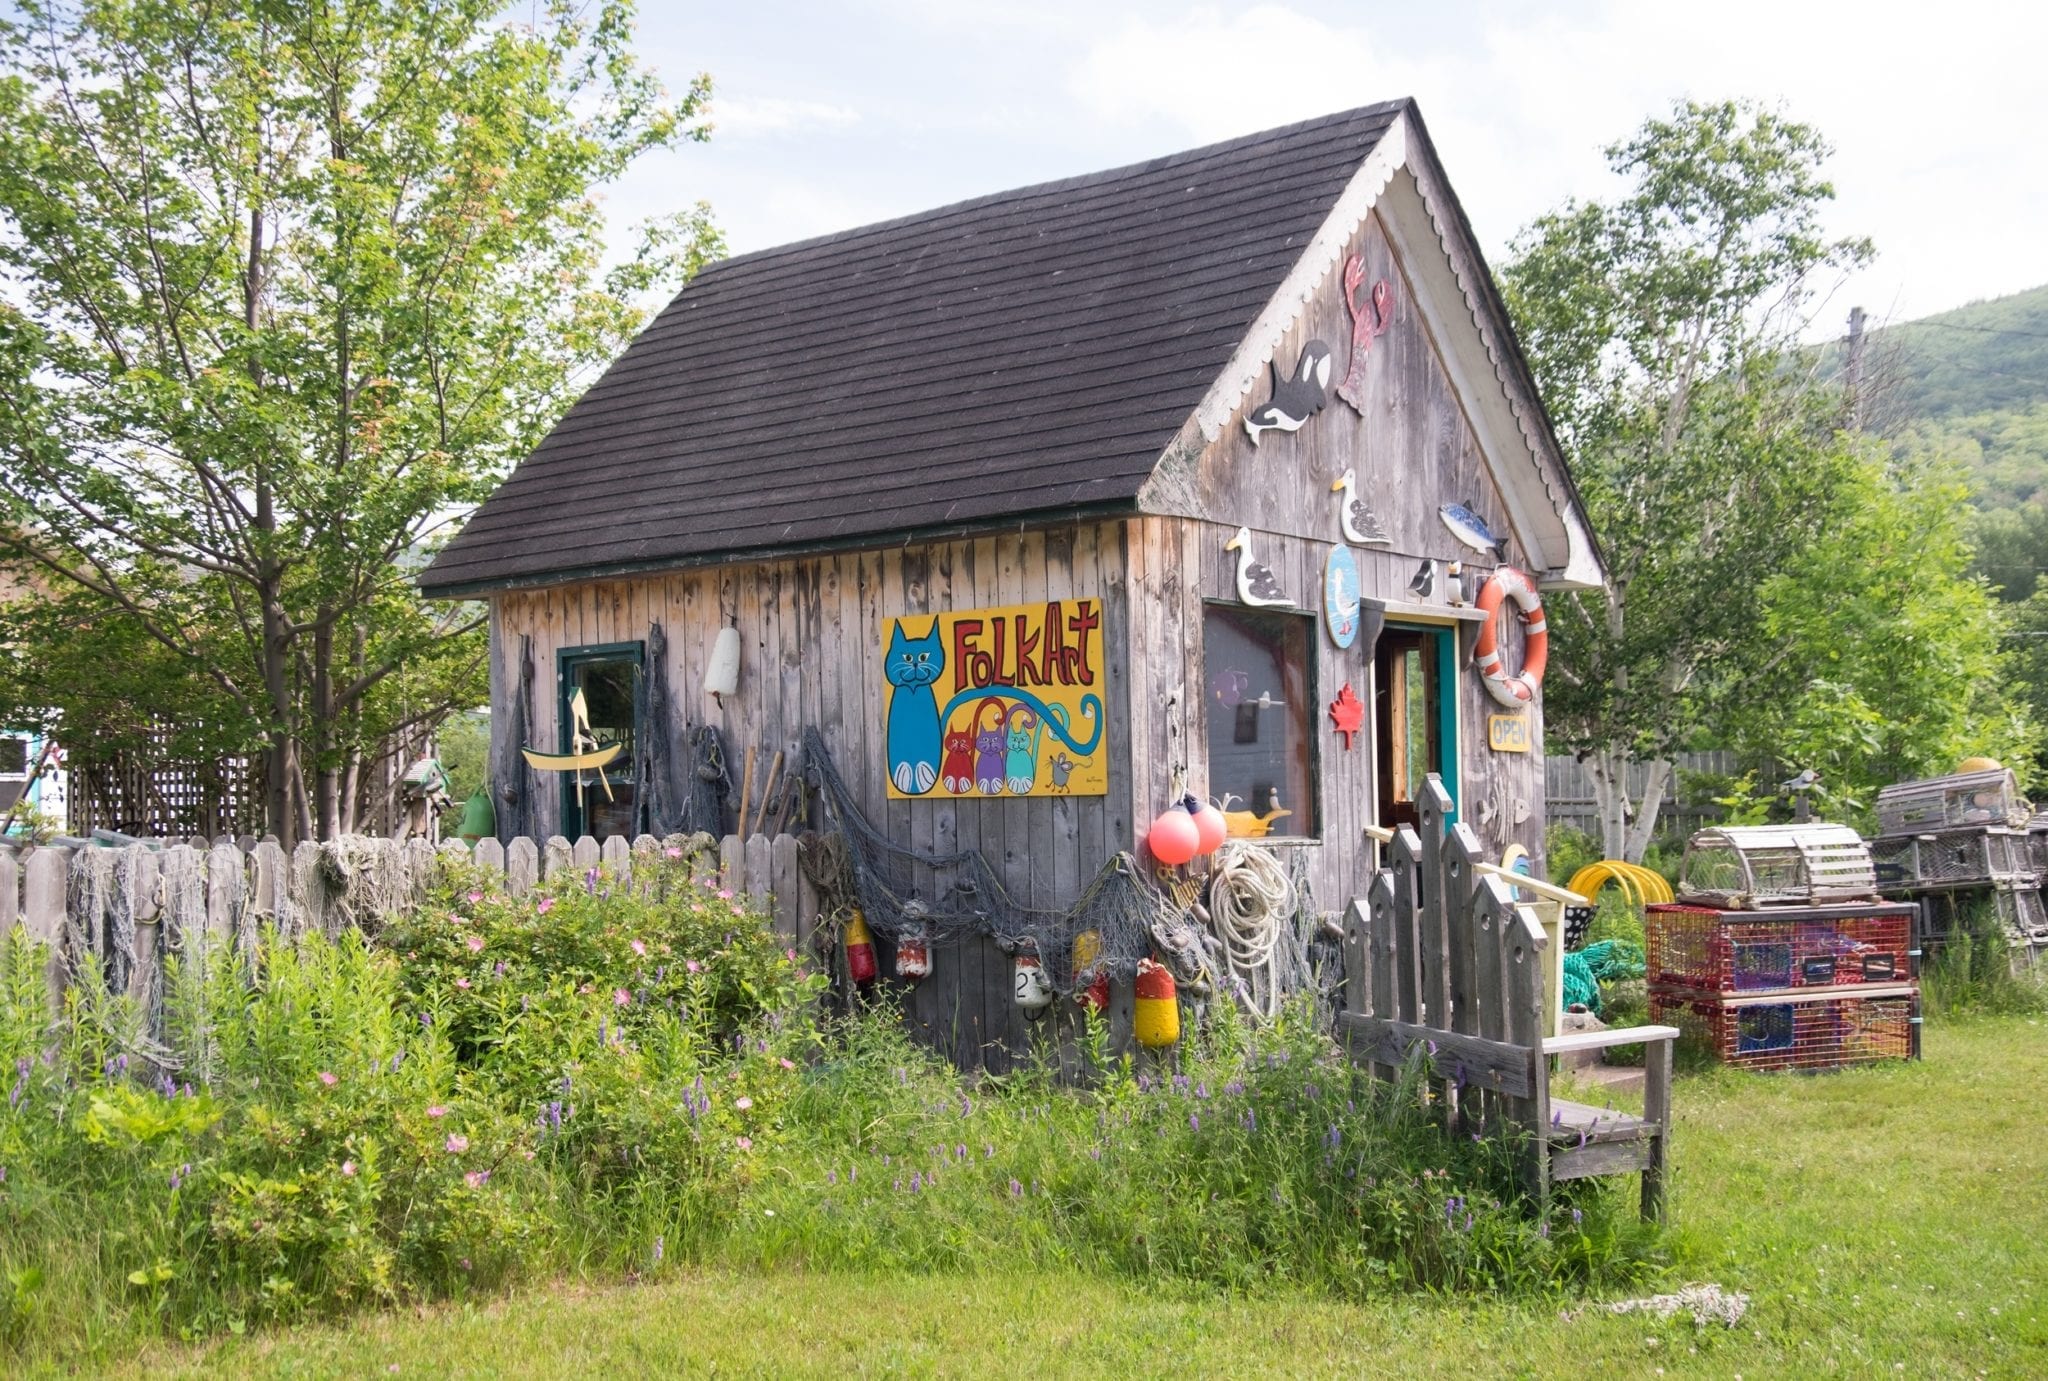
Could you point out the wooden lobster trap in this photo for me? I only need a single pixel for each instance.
(1741, 867)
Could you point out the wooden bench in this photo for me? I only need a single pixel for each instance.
(1442, 956)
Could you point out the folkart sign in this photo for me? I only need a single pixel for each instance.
(996, 702)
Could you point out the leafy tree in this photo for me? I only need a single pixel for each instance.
(289, 286)
(1891, 659)
(1659, 325)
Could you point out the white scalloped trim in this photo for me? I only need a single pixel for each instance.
(1248, 365)
(1504, 373)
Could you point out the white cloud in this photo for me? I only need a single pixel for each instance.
(739, 117)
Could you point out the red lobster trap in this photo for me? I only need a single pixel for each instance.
(1708, 950)
(1812, 1031)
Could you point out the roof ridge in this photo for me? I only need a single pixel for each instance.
(1156, 163)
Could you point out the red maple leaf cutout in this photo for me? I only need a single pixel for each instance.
(1347, 712)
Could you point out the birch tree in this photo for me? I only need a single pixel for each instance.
(1661, 325)
(284, 288)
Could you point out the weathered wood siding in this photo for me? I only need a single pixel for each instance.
(812, 657)
(1413, 449)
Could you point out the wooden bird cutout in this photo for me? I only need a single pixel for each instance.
(1347, 712)
(1255, 583)
(1354, 515)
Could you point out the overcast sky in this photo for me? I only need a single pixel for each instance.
(830, 115)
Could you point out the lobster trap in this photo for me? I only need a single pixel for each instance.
(1954, 858)
(1964, 798)
(1778, 1031)
(1709, 950)
(1741, 867)
(2018, 911)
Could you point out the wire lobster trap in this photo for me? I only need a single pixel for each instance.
(1954, 858)
(1713, 951)
(1742, 867)
(1964, 798)
(1812, 1032)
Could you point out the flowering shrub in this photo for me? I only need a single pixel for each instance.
(613, 1078)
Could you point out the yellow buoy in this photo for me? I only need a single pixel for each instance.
(1155, 1018)
(1979, 765)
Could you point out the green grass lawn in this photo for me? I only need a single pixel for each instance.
(1885, 1220)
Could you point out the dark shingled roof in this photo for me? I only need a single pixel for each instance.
(1027, 354)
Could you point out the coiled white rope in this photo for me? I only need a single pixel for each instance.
(1250, 902)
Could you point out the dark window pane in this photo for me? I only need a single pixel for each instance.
(13, 757)
(1260, 711)
(610, 683)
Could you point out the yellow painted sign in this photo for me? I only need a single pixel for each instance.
(996, 702)
(1507, 733)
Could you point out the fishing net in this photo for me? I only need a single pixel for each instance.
(954, 897)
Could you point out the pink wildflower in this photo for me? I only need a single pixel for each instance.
(328, 1079)
(457, 1143)
(725, 894)
(672, 852)
(475, 943)
(437, 1110)
(788, 1064)
(697, 907)
(547, 904)
(693, 966)
(462, 982)
(475, 897)
(639, 949)
(622, 998)
(745, 1143)
(743, 1102)
(790, 955)
(477, 1179)
(348, 1167)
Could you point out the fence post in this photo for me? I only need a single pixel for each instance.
(555, 856)
(227, 889)
(617, 856)
(522, 866)
(44, 913)
(10, 893)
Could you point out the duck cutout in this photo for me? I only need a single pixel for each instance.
(1243, 824)
(1423, 583)
(1354, 515)
(1255, 583)
(1294, 400)
(1471, 529)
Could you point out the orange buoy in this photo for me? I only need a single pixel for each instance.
(1210, 827)
(860, 951)
(1174, 837)
(913, 956)
(1156, 1019)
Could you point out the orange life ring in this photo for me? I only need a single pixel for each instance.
(1523, 687)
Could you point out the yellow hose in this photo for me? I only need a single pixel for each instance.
(1639, 886)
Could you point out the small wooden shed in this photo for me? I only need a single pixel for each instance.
(1040, 505)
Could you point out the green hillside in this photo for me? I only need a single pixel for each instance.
(1971, 386)
(1988, 357)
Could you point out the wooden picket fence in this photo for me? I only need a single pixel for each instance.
(134, 905)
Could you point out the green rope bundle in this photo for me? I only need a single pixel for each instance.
(1585, 970)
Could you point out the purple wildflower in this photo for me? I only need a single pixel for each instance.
(1016, 1189)
(657, 1251)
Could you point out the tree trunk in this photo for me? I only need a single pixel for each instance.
(1644, 827)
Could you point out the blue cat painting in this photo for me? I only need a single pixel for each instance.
(912, 665)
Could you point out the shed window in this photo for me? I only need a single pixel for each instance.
(1258, 666)
(609, 678)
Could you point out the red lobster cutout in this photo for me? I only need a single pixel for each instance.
(1369, 319)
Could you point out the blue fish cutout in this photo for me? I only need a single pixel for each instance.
(1471, 529)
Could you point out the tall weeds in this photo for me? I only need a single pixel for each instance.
(605, 1080)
